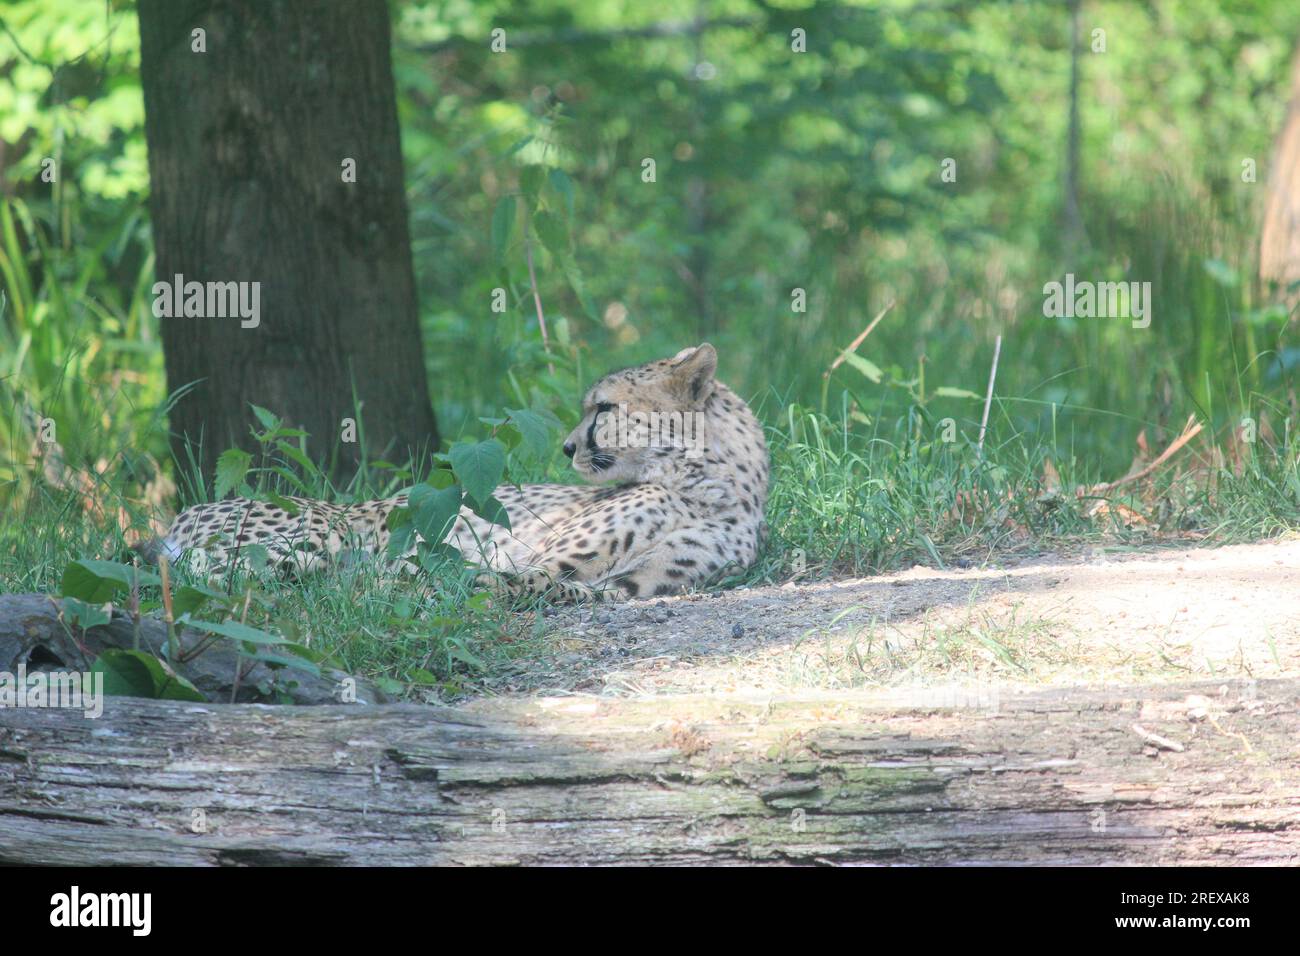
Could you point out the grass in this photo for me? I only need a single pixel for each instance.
(975, 644)
(846, 499)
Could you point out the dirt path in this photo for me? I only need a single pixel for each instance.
(1109, 617)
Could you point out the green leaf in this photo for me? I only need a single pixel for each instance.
(400, 532)
(137, 674)
(283, 503)
(947, 391)
(503, 223)
(550, 229)
(535, 427)
(530, 182)
(434, 510)
(97, 581)
(479, 466)
(517, 146)
(393, 688)
(441, 478)
(296, 454)
(867, 367)
(296, 656)
(190, 597)
(85, 615)
(579, 287)
(563, 185)
(268, 420)
(232, 466)
(491, 511)
(236, 632)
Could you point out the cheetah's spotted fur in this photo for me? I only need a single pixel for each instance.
(672, 513)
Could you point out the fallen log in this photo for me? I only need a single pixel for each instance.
(1081, 776)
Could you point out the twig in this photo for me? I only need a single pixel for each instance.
(1190, 431)
(173, 646)
(1164, 743)
(839, 359)
(537, 300)
(134, 604)
(239, 669)
(988, 397)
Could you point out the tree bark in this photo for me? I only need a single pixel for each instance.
(247, 145)
(1082, 776)
(1279, 244)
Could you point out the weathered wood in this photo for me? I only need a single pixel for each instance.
(1044, 777)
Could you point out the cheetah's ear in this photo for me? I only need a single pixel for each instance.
(693, 372)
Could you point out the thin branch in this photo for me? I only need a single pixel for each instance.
(537, 300)
(1190, 431)
(853, 346)
(988, 396)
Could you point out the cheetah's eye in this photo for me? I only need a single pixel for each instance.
(602, 407)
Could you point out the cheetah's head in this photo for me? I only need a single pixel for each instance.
(637, 421)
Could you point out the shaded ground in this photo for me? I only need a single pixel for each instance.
(1106, 617)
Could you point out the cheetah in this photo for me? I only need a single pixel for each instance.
(680, 470)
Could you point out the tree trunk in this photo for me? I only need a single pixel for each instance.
(1164, 774)
(1279, 246)
(248, 143)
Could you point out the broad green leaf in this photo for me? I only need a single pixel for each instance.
(503, 223)
(296, 454)
(236, 631)
(190, 597)
(563, 185)
(295, 656)
(550, 229)
(268, 420)
(434, 510)
(85, 615)
(479, 466)
(530, 182)
(867, 367)
(535, 428)
(579, 287)
(491, 511)
(137, 674)
(97, 581)
(232, 466)
(441, 478)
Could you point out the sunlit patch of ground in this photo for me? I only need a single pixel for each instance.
(1103, 617)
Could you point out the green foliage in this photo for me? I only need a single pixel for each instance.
(136, 673)
(775, 171)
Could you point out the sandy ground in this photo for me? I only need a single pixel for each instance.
(1105, 617)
